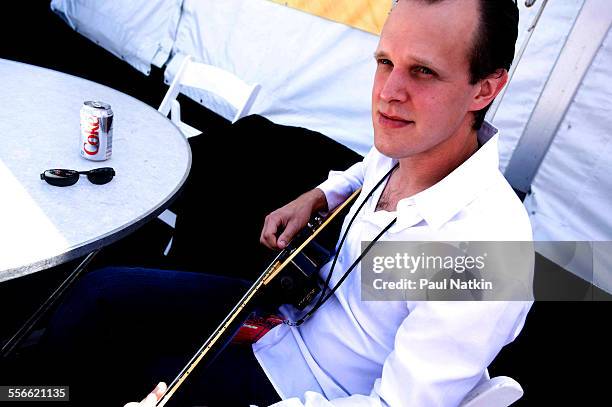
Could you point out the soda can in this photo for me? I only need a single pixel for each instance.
(96, 141)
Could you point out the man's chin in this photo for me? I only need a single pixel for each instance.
(388, 145)
(390, 151)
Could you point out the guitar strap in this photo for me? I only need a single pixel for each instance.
(323, 297)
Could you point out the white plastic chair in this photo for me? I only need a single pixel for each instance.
(234, 90)
(500, 391)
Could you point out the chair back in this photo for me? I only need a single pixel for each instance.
(500, 391)
(222, 83)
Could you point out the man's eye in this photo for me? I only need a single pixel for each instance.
(423, 70)
(383, 61)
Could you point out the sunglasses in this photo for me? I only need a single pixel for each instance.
(65, 178)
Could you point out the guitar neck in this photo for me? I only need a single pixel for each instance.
(242, 309)
(216, 341)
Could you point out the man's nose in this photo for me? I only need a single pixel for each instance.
(395, 88)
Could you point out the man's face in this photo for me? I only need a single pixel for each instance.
(422, 95)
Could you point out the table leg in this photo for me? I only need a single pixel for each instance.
(29, 325)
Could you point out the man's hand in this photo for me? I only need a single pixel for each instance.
(152, 398)
(291, 218)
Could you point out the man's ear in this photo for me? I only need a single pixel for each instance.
(488, 88)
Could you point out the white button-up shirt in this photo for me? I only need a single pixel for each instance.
(403, 353)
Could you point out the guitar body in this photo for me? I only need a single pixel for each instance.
(298, 283)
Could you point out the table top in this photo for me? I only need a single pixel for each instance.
(42, 225)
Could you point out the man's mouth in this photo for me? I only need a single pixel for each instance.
(391, 121)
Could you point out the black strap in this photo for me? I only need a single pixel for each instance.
(322, 297)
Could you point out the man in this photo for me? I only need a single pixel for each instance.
(440, 64)
(431, 86)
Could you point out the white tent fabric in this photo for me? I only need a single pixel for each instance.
(317, 74)
(139, 32)
(533, 69)
(572, 190)
(314, 73)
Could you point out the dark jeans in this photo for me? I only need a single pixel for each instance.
(121, 330)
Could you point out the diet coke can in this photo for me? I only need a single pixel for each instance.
(96, 142)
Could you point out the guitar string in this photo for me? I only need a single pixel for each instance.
(322, 297)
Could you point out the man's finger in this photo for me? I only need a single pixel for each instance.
(154, 396)
(149, 401)
(269, 232)
(290, 230)
(160, 390)
(264, 232)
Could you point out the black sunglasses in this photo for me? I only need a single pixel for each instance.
(65, 178)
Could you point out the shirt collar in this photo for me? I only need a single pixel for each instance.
(442, 201)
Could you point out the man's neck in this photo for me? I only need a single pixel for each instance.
(419, 172)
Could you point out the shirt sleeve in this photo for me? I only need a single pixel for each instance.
(341, 184)
(440, 353)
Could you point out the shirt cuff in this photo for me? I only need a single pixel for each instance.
(336, 189)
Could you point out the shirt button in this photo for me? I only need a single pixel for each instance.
(341, 258)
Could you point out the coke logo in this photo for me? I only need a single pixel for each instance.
(92, 131)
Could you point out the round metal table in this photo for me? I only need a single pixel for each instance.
(43, 225)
